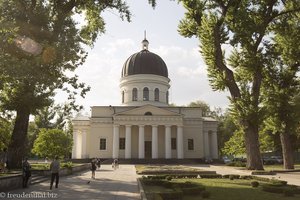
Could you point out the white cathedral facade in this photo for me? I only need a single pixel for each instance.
(145, 126)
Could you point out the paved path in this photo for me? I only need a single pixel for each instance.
(120, 184)
(292, 178)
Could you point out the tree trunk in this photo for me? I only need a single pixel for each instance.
(16, 148)
(254, 161)
(287, 151)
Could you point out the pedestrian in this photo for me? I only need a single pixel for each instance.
(93, 168)
(54, 168)
(3, 161)
(98, 163)
(115, 164)
(26, 168)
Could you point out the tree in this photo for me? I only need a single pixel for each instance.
(5, 132)
(51, 143)
(203, 105)
(245, 27)
(282, 85)
(39, 42)
(226, 130)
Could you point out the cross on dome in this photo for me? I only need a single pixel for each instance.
(145, 42)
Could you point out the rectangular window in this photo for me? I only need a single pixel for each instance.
(190, 144)
(173, 143)
(102, 144)
(122, 143)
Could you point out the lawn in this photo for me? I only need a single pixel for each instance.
(226, 189)
(278, 167)
(167, 169)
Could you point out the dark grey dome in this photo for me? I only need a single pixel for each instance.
(145, 62)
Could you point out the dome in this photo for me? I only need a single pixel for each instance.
(145, 62)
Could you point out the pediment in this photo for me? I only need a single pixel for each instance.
(146, 110)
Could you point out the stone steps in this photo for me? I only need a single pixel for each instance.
(35, 179)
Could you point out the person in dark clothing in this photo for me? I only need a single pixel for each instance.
(98, 163)
(54, 168)
(93, 168)
(26, 168)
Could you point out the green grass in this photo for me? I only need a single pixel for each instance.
(164, 168)
(278, 167)
(225, 189)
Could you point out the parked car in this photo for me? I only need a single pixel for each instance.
(272, 160)
(277, 159)
(226, 160)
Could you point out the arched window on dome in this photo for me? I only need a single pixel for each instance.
(146, 94)
(123, 96)
(156, 94)
(167, 97)
(134, 94)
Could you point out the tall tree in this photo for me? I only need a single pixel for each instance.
(282, 84)
(39, 42)
(245, 27)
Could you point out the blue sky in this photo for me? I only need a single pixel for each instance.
(187, 71)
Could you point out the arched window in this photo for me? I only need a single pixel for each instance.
(123, 98)
(156, 94)
(146, 94)
(148, 113)
(134, 94)
(167, 97)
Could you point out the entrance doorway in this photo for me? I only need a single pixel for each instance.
(148, 149)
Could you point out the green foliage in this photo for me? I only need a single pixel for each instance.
(235, 37)
(5, 133)
(203, 105)
(68, 165)
(41, 45)
(51, 143)
(254, 184)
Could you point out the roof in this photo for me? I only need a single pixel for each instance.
(145, 62)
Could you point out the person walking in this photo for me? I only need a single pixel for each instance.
(93, 168)
(26, 168)
(54, 168)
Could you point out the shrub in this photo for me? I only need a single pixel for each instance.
(210, 176)
(235, 176)
(246, 177)
(153, 182)
(67, 165)
(254, 183)
(263, 173)
(169, 178)
(205, 194)
(236, 164)
(278, 183)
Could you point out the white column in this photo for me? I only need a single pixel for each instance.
(74, 150)
(179, 142)
(206, 145)
(116, 142)
(141, 142)
(83, 143)
(154, 142)
(168, 142)
(214, 145)
(128, 142)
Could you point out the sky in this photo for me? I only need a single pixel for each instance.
(187, 70)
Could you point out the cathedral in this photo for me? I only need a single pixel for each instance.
(144, 126)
